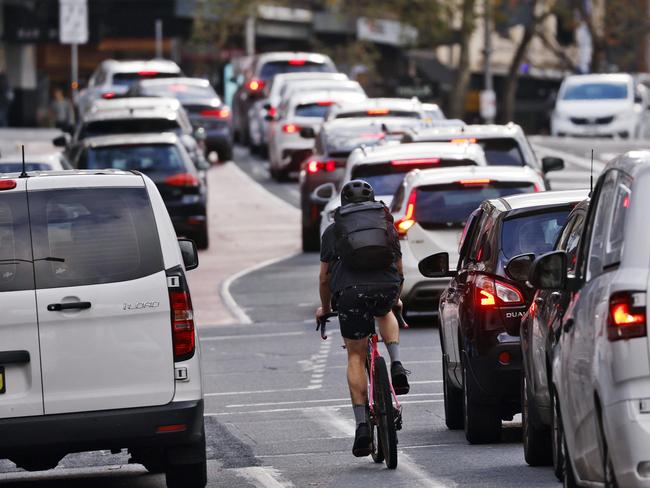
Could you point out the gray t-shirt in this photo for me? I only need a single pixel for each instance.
(342, 277)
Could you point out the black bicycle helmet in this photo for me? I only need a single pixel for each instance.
(357, 191)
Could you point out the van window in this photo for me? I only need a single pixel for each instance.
(92, 236)
(603, 208)
(16, 270)
(615, 239)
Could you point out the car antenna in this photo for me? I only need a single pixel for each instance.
(591, 174)
(24, 173)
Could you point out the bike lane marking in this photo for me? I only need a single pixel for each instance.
(263, 477)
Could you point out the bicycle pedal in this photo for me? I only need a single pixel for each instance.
(398, 419)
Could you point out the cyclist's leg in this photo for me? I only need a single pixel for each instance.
(389, 329)
(357, 381)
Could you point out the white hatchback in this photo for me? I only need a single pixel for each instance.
(98, 346)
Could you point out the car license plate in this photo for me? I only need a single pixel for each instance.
(2, 380)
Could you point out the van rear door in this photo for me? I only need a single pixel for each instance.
(21, 394)
(103, 303)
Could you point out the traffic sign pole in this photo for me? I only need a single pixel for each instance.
(74, 75)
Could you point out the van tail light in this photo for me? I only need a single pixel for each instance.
(255, 86)
(315, 166)
(182, 179)
(182, 323)
(290, 128)
(491, 293)
(108, 95)
(627, 315)
(218, 113)
(405, 223)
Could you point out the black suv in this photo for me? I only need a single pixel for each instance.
(481, 309)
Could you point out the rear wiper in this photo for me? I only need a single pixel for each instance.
(14, 261)
(52, 259)
(49, 258)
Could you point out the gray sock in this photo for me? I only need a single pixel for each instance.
(359, 414)
(393, 351)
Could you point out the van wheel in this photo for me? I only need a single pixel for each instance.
(453, 398)
(201, 238)
(608, 468)
(193, 475)
(536, 437)
(482, 421)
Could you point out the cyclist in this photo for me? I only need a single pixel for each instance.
(362, 294)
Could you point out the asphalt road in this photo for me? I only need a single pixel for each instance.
(277, 406)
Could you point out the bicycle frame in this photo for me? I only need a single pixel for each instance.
(373, 354)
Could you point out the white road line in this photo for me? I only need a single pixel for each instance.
(227, 297)
(422, 478)
(263, 477)
(311, 453)
(323, 400)
(406, 363)
(252, 336)
(255, 392)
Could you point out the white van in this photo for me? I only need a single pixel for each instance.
(601, 105)
(98, 348)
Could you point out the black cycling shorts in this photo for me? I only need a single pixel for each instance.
(358, 305)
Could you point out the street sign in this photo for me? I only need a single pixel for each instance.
(488, 104)
(73, 21)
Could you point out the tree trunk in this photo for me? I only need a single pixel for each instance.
(457, 105)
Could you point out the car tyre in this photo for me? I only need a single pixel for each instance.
(608, 467)
(557, 436)
(279, 175)
(482, 422)
(201, 238)
(225, 154)
(453, 400)
(536, 436)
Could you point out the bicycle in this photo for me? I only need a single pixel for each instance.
(385, 409)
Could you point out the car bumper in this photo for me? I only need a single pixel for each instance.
(108, 429)
(618, 127)
(188, 218)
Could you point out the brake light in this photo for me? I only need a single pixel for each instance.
(182, 179)
(108, 95)
(406, 162)
(255, 86)
(221, 113)
(508, 294)
(536, 188)
(326, 103)
(471, 140)
(182, 325)
(296, 62)
(163, 429)
(627, 315)
(7, 184)
(272, 111)
(491, 292)
(477, 182)
(147, 73)
(314, 166)
(290, 128)
(378, 111)
(405, 223)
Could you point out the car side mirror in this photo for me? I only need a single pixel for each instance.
(189, 253)
(199, 134)
(61, 141)
(323, 193)
(518, 268)
(549, 271)
(267, 106)
(307, 132)
(550, 163)
(436, 266)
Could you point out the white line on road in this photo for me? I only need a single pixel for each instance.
(263, 477)
(227, 297)
(422, 478)
(251, 336)
(323, 400)
(255, 392)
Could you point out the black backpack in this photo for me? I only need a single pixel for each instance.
(363, 236)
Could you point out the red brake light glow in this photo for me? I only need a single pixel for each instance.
(406, 162)
(315, 166)
(272, 111)
(171, 428)
(491, 292)
(182, 179)
(477, 182)
(296, 62)
(219, 113)
(405, 223)
(290, 128)
(255, 85)
(464, 140)
(108, 95)
(627, 316)
(147, 73)
(378, 111)
(182, 325)
(178, 88)
(7, 184)
(326, 103)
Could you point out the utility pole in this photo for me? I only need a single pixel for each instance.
(159, 38)
(488, 97)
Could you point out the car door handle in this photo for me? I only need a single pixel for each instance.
(14, 357)
(568, 325)
(58, 307)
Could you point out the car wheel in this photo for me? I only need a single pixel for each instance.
(568, 478)
(201, 238)
(482, 422)
(453, 398)
(225, 154)
(280, 175)
(310, 238)
(557, 444)
(536, 437)
(608, 468)
(194, 475)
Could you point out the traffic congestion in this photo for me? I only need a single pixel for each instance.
(286, 277)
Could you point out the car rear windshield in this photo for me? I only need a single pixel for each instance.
(128, 126)
(17, 167)
(502, 152)
(385, 178)
(311, 110)
(272, 68)
(378, 113)
(533, 233)
(442, 206)
(596, 91)
(344, 141)
(129, 79)
(161, 159)
(16, 270)
(182, 91)
(93, 236)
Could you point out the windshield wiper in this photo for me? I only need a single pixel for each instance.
(49, 258)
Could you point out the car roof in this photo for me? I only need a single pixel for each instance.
(379, 123)
(438, 176)
(595, 77)
(131, 139)
(333, 83)
(346, 96)
(389, 103)
(133, 66)
(128, 103)
(531, 201)
(287, 55)
(633, 163)
(442, 131)
(308, 75)
(141, 113)
(78, 178)
(381, 154)
(174, 81)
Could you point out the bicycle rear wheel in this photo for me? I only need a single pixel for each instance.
(384, 414)
(377, 452)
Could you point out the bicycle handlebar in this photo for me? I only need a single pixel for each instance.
(321, 323)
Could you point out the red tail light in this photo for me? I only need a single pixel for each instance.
(405, 223)
(296, 62)
(314, 166)
(463, 140)
(378, 111)
(182, 179)
(627, 315)
(476, 182)
(7, 184)
(182, 325)
(108, 95)
(536, 188)
(272, 112)
(147, 73)
(221, 113)
(171, 428)
(326, 103)
(255, 86)
(406, 162)
(491, 292)
(290, 128)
